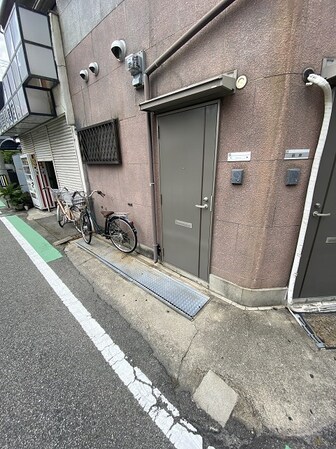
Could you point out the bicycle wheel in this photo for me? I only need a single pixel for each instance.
(61, 218)
(86, 227)
(76, 215)
(122, 234)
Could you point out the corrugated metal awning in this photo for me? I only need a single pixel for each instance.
(207, 90)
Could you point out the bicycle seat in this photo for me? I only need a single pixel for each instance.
(106, 213)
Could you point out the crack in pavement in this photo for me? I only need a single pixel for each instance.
(187, 351)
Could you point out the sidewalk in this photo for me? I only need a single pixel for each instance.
(284, 383)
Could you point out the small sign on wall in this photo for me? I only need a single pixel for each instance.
(297, 154)
(242, 156)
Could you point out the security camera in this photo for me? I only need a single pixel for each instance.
(84, 74)
(118, 48)
(93, 66)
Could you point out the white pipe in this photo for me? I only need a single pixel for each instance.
(61, 68)
(325, 86)
(85, 181)
(65, 90)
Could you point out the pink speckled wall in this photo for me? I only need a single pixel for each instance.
(255, 225)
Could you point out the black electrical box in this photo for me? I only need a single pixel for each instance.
(237, 176)
(292, 176)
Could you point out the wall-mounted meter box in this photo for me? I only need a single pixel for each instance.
(135, 64)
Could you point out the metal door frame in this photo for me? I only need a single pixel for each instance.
(160, 213)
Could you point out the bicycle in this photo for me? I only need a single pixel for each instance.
(118, 228)
(68, 206)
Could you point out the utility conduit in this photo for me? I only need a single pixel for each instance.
(325, 86)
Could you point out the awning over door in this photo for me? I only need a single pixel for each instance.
(207, 90)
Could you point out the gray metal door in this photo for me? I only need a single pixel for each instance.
(320, 277)
(187, 154)
(317, 271)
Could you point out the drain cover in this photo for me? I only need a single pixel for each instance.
(323, 326)
(172, 292)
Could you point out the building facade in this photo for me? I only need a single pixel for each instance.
(216, 152)
(37, 107)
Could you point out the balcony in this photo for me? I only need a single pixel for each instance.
(31, 73)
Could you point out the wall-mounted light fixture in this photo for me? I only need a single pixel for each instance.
(118, 49)
(84, 74)
(94, 68)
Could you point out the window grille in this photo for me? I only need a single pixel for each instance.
(99, 144)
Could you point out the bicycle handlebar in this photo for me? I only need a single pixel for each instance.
(84, 195)
(76, 192)
(96, 191)
(54, 190)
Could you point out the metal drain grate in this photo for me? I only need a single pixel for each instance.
(175, 294)
(321, 327)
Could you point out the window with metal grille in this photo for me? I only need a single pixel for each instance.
(99, 144)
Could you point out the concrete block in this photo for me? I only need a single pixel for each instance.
(257, 297)
(227, 289)
(215, 397)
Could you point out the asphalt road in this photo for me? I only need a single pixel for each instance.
(56, 389)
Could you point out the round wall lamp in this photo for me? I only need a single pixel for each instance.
(241, 82)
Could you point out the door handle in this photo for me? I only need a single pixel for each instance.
(201, 206)
(317, 214)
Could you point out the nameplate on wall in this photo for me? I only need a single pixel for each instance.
(242, 156)
(297, 154)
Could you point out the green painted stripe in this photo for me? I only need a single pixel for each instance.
(2, 204)
(40, 244)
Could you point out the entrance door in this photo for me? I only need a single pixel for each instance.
(320, 277)
(317, 271)
(187, 154)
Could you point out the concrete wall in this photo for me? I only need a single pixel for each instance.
(255, 225)
(79, 18)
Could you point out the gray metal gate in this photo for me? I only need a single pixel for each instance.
(187, 154)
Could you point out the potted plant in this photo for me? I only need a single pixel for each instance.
(14, 196)
(27, 200)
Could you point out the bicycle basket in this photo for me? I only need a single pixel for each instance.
(77, 200)
(56, 193)
(67, 197)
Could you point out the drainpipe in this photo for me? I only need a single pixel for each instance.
(199, 25)
(325, 86)
(65, 90)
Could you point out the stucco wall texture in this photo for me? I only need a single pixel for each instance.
(255, 225)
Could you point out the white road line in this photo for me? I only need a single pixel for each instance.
(181, 433)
